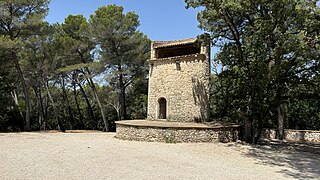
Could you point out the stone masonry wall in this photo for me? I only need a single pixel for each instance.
(173, 135)
(186, 90)
(294, 135)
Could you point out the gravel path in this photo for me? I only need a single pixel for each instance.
(101, 156)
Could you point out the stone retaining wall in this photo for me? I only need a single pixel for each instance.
(294, 135)
(175, 135)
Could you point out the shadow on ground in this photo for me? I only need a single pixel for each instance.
(295, 160)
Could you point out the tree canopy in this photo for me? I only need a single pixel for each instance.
(59, 67)
(269, 50)
(123, 48)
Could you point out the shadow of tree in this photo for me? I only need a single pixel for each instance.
(296, 160)
(201, 98)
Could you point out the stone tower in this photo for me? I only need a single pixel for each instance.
(179, 74)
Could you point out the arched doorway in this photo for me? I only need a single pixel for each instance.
(162, 108)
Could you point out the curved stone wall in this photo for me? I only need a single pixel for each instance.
(176, 134)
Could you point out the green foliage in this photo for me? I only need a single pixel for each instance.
(304, 114)
(123, 49)
(49, 72)
(170, 139)
(10, 118)
(268, 51)
(21, 18)
(137, 98)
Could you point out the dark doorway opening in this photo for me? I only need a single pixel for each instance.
(162, 108)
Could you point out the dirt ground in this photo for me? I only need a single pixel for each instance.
(97, 155)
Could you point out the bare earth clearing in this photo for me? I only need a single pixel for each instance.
(101, 156)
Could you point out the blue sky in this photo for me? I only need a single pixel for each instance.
(160, 20)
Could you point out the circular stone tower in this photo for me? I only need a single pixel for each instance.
(179, 74)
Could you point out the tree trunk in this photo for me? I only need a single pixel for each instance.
(281, 117)
(248, 126)
(89, 79)
(39, 113)
(25, 91)
(94, 90)
(106, 124)
(67, 102)
(46, 108)
(248, 130)
(95, 94)
(44, 119)
(61, 126)
(117, 108)
(122, 98)
(16, 101)
(81, 126)
(90, 110)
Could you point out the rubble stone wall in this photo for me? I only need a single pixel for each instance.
(294, 135)
(176, 135)
(185, 89)
(183, 81)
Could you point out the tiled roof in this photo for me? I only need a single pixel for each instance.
(161, 44)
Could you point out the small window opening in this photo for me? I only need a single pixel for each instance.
(162, 108)
(178, 65)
